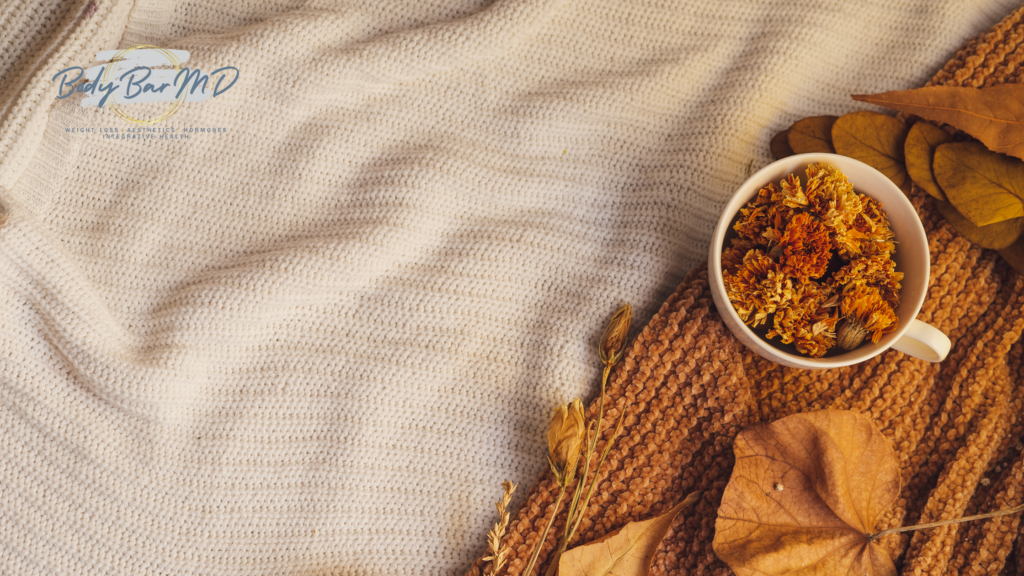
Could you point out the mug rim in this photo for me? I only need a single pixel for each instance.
(749, 188)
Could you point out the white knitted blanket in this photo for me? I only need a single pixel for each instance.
(317, 341)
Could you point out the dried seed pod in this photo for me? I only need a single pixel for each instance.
(865, 311)
(850, 335)
(613, 341)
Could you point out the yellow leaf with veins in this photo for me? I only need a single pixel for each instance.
(805, 496)
(629, 551)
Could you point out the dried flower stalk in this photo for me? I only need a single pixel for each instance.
(611, 349)
(569, 441)
(566, 434)
(497, 553)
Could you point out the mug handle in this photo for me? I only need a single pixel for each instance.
(924, 341)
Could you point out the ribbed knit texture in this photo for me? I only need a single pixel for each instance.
(688, 386)
(317, 343)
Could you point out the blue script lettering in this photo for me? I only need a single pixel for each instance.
(191, 75)
(85, 87)
(217, 89)
(132, 82)
(137, 82)
(141, 89)
(107, 89)
(64, 81)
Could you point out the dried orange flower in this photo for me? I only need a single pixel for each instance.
(779, 264)
(754, 217)
(878, 271)
(732, 257)
(866, 312)
(786, 200)
(806, 248)
(830, 195)
(833, 200)
(872, 227)
(764, 217)
(758, 287)
(807, 321)
(791, 193)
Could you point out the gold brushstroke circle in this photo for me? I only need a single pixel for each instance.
(171, 59)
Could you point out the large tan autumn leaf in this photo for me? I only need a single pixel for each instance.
(994, 115)
(804, 496)
(629, 551)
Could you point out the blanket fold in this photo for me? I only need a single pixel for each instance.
(309, 325)
(688, 387)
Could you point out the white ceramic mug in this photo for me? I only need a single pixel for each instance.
(911, 257)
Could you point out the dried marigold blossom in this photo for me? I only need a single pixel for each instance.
(872, 227)
(732, 257)
(878, 271)
(867, 312)
(754, 218)
(763, 218)
(847, 241)
(830, 195)
(806, 248)
(786, 201)
(790, 193)
(757, 287)
(832, 199)
(779, 263)
(806, 321)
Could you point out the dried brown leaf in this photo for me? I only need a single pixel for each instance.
(780, 145)
(919, 150)
(804, 496)
(1014, 255)
(629, 551)
(874, 139)
(812, 134)
(983, 186)
(995, 236)
(994, 115)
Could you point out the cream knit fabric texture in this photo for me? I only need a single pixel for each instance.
(317, 342)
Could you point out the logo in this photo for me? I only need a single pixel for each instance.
(141, 74)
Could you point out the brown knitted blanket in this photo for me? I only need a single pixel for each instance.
(688, 387)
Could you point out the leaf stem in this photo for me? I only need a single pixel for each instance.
(544, 535)
(553, 567)
(593, 483)
(1013, 510)
(591, 447)
(576, 510)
